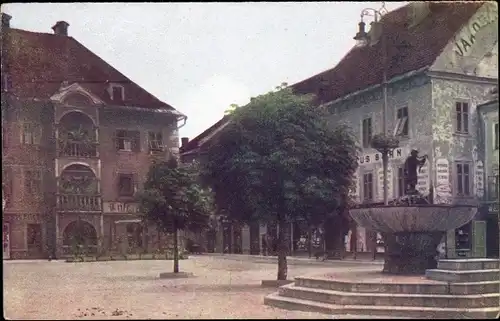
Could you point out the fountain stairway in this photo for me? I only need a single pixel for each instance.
(459, 289)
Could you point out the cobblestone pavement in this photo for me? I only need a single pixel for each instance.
(131, 289)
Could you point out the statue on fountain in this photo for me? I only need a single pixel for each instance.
(413, 165)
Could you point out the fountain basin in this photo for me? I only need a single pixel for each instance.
(414, 218)
(412, 233)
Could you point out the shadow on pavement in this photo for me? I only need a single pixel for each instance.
(211, 288)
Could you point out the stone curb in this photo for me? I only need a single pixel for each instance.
(290, 259)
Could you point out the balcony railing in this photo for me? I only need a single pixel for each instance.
(493, 188)
(78, 149)
(78, 203)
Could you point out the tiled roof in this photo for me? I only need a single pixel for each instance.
(194, 143)
(37, 64)
(408, 49)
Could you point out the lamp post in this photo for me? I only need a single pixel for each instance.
(363, 39)
(383, 145)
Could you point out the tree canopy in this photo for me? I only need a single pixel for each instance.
(173, 198)
(278, 160)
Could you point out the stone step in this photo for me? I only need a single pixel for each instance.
(278, 301)
(463, 276)
(415, 288)
(390, 299)
(468, 264)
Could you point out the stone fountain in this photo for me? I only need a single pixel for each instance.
(412, 227)
(412, 284)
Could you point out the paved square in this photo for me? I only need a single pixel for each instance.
(221, 288)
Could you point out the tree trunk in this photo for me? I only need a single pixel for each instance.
(309, 241)
(176, 252)
(282, 251)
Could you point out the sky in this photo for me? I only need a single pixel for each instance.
(202, 57)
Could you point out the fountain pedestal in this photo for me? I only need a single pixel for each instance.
(410, 253)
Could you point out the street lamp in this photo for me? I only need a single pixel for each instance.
(362, 39)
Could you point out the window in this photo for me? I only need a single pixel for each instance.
(117, 93)
(462, 118)
(496, 139)
(125, 185)
(128, 140)
(401, 182)
(30, 134)
(367, 132)
(34, 236)
(33, 182)
(368, 187)
(402, 125)
(463, 180)
(155, 141)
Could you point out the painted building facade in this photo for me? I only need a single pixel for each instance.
(488, 113)
(441, 61)
(432, 107)
(78, 140)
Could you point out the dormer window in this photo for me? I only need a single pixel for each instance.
(116, 92)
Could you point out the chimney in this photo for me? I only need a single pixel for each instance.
(5, 20)
(61, 28)
(184, 141)
(419, 10)
(375, 32)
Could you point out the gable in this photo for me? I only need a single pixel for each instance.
(37, 64)
(411, 46)
(474, 49)
(66, 93)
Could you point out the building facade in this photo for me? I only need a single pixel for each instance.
(443, 63)
(488, 129)
(78, 138)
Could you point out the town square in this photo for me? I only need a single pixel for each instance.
(250, 160)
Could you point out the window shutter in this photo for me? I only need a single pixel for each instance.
(37, 134)
(116, 140)
(136, 141)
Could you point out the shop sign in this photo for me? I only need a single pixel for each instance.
(121, 207)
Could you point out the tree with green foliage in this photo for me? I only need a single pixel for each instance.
(174, 200)
(279, 161)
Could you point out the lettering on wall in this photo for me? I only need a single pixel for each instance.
(121, 207)
(476, 25)
(479, 179)
(355, 193)
(377, 157)
(443, 186)
(423, 180)
(380, 174)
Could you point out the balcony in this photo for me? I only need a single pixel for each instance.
(78, 203)
(77, 149)
(492, 194)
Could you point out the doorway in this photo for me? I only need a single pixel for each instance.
(492, 236)
(34, 240)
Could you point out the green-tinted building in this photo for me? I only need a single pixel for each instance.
(488, 126)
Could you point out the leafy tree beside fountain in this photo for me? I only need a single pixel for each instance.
(174, 200)
(278, 161)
